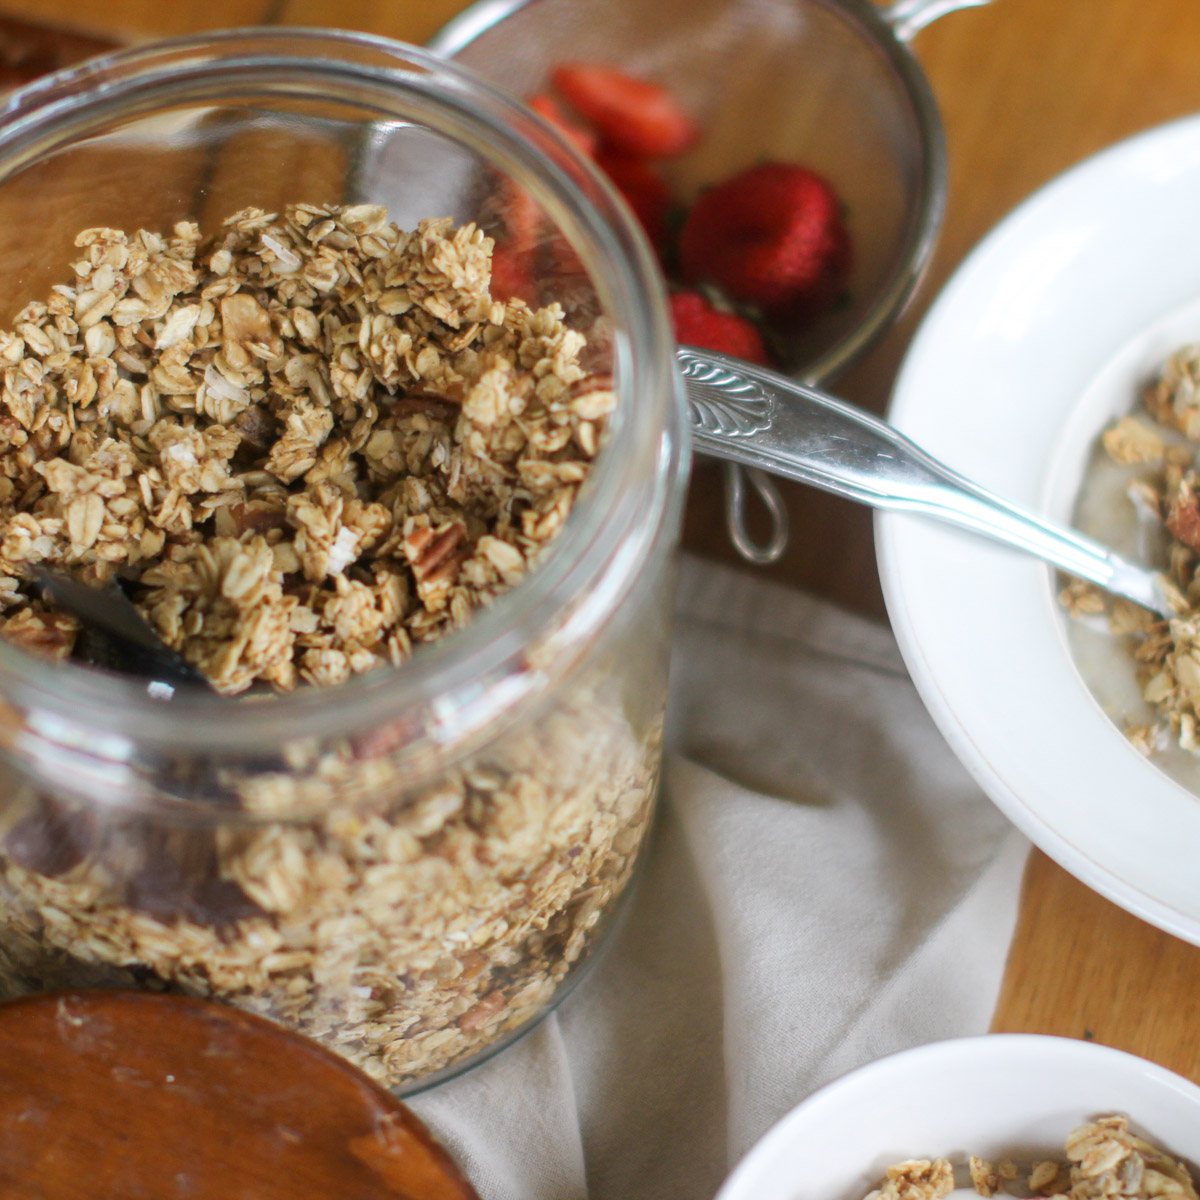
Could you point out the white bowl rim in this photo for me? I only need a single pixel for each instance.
(900, 543)
(975, 1051)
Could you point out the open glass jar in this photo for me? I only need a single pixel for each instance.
(411, 865)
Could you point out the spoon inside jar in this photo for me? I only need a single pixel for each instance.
(115, 635)
(749, 415)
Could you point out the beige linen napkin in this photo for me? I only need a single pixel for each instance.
(828, 885)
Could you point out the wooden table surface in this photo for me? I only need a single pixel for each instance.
(1026, 88)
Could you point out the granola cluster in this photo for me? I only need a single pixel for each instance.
(1159, 443)
(1103, 1160)
(916, 1179)
(303, 445)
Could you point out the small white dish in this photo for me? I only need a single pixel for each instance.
(1017, 367)
(1011, 1096)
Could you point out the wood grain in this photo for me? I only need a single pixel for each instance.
(141, 20)
(408, 20)
(27, 51)
(87, 187)
(1083, 968)
(125, 1094)
(1026, 88)
(267, 168)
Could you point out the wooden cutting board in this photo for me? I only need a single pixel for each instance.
(113, 1095)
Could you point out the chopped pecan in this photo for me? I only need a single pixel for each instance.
(592, 397)
(258, 429)
(258, 516)
(435, 555)
(1183, 516)
(46, 634)
(440, 408)
(486, 1010)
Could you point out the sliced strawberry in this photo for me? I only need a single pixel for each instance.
(644, 192)
(772, 236)
(515, 222)
(632, 115)
(512, 275)
(546, 106)
(521, 217)
(698, 323)
(561, 257)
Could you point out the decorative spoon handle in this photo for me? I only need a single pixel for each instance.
(758, 418)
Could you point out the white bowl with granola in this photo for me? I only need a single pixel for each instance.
(1045, 336)
(1008, 1114)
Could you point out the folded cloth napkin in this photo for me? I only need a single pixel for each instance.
(827, 886)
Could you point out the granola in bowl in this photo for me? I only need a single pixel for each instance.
(306, 446)
(997, 1108)
(1146, 462)
(1102, 1160)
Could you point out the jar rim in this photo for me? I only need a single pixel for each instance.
(633, 489)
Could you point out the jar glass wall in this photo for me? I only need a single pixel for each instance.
(410, 865)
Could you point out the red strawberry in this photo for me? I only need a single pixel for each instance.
(643, 190)
(633, 115)
(521, 216)
(546, 106)
(517, 240)
(512, 275)
(772, 236)
(562, 258)
(697, 323)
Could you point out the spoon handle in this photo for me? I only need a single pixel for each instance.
(908, 17)
(758, 418)
(115, 632)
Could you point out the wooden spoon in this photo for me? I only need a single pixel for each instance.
(121, 1095)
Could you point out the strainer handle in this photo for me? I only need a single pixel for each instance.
(908, 17)
(771, 548)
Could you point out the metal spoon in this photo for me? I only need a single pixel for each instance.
(117, 636)
(748, 415)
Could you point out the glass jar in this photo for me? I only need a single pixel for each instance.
(410, 866)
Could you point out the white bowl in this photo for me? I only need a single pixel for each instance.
(1020, 362)
(1002, 1096)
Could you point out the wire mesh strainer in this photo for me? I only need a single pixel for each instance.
(829, 83)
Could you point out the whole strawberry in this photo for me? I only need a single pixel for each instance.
(644, 191)
(698, 323)
(772, 236)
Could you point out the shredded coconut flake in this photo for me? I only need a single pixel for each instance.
(343, 551)
(285, 259)
(221, 388)
(180, 454)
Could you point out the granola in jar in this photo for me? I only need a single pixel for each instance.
(305, 446)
